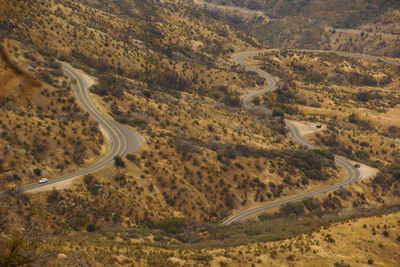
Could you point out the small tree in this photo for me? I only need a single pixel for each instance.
(385, 233)
(131, 157)
(119, 162)
(277, 112)
(37, 171)
(353, 118)
(91, 228)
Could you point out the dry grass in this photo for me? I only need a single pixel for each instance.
(35, 130)
(332, 98)
(356, 242)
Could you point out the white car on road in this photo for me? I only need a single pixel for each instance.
(43, 180)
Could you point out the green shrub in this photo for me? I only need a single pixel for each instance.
(253, 232)
(385, 233)
(91, 228)
(362, 154)
(37, 171)
(311, 162)
(91, 184)
(295, 208)
(277, 112)
(131, 157)
(265, 216)
(311, 204)
(108, 84)
(394, 170)
(325, 153)
(328, 238)
(172, 225)
(204, 257)
(53, 196)
(120, 178)
(116, 217)
(119, 162)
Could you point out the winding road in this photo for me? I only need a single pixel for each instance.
(123, 140)
(353, 174)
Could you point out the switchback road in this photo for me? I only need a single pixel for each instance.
(123, 140)
(353, 174)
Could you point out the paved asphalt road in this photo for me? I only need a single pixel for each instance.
(123, 140)
(353, 174)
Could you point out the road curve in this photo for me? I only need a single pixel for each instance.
(353, 174)
(123, 140)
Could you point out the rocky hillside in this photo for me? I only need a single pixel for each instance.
(353, 26)
(40, 119)
(163, 69)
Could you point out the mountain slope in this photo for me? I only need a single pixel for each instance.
(40, 119)
(352, 26)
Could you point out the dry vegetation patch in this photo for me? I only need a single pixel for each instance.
(40, 119)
